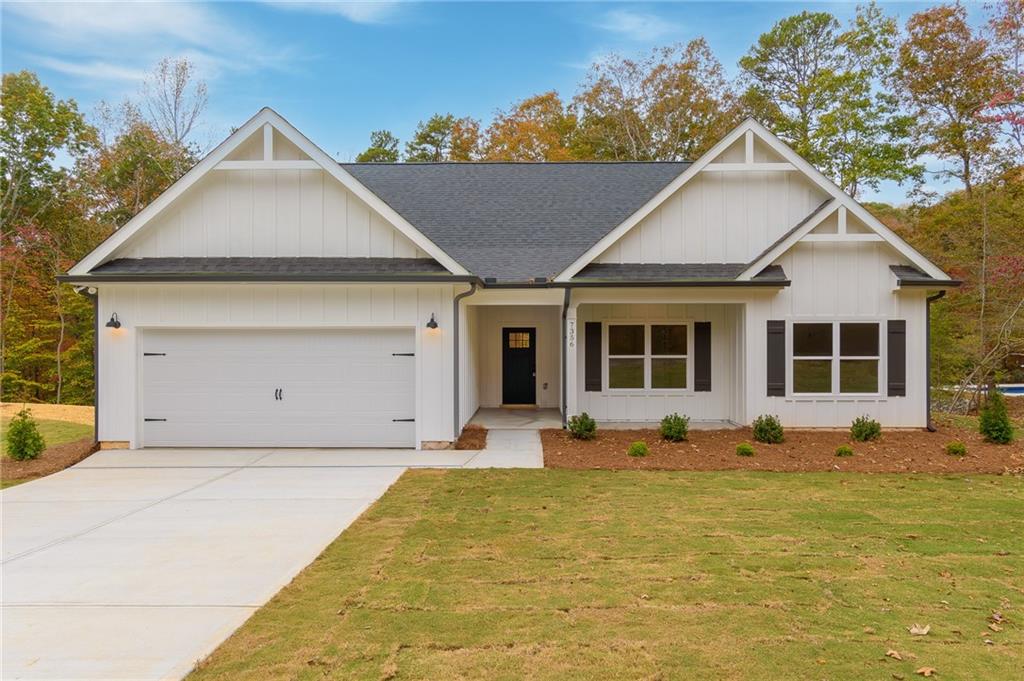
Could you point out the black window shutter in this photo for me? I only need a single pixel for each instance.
(897, 358)
(702, 357)
(592, 357)
(776, 358)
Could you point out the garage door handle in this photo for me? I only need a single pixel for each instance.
(402, 420)
(154, 419)
(403, 354)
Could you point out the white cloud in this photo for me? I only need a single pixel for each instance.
(356, 12)
(110, 41)
(98, 70)
(637, 26)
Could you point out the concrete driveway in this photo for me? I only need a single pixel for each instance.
(137, 564)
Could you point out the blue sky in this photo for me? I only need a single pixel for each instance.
(339, 70)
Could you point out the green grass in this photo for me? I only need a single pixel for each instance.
(53, 432)
(654, 575)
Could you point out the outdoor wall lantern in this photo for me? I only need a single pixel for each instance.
(114, 322)
(432, 324)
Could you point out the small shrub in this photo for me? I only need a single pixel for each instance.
(994, 423)
(864, 429)
(23, 439)
(744, 449)
(768, 429)
(639, 448)
(956, 448)
(582, 427)
(675, 428)
(844, 450)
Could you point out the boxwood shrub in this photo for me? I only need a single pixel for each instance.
(675, 428)
(639, 448)
(768, 429)
(582, 427)
(865, 428)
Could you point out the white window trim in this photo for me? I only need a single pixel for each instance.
(835, 357)
(647, 357)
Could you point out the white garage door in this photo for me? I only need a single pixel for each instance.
(278, 388)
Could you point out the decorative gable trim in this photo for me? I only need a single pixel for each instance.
(266, 119)
(748, 130)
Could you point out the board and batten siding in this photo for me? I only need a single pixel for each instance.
(267, 213)
(272, 306)
(487, 343)
(651, 406)
(719, 217)
(839, 282)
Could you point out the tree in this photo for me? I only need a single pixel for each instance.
(383, 148)
(535, 129)
(36, 127)
(948, 74)
(174, 99)
(1007, 108)
(818, 87)
(465, 144)
(432, 140)
(128, 172)
(672, 105)
(37, 217)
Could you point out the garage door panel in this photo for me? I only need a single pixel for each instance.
(339, 388)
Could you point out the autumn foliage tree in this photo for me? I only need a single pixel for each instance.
(671, 105)
(537, 128)
(948, 75)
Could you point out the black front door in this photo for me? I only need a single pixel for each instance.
(519, 366)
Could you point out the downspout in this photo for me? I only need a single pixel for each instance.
(565, 356)
(458, 386)
(928, 357)
(93, 297)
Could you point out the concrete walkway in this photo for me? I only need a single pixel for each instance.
(137, 564)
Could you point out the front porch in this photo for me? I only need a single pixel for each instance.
(626, 356)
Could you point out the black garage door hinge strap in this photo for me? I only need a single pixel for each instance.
(403, 354)
(154, 419)
(154, 354)
(403, 420)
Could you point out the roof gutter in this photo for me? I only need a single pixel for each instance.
(90, 279)
(932, 284)
(456, 418)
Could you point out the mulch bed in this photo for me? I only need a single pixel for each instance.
(472, 437)
(904, 451)
(53, 459)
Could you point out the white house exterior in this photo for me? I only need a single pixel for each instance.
(274, 297)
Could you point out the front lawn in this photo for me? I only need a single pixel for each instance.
(552, 574)
(67, 443)
(54, 432)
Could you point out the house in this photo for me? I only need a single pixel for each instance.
(275, 297)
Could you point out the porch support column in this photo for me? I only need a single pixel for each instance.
(569, 363)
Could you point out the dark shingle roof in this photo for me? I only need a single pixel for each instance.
(697, 274)
(273, 269)
(515, 221)
(908, 275)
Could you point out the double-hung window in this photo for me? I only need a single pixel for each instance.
(648, 356)
(836, 357)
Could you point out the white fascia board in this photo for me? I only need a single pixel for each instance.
(801, 165)
(115, 240)
(781, 247)
(221, 151)
(360, 190)
(611, 237)
(847, 201)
